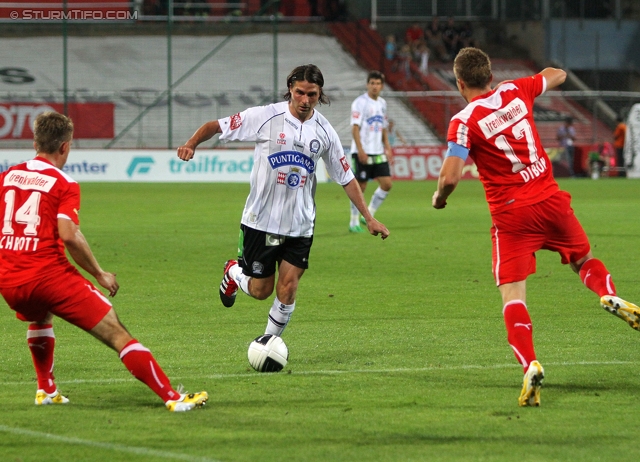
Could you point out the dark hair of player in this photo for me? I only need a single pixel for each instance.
(50, 130)
(473, 67)
(306, 73)
(376, 75)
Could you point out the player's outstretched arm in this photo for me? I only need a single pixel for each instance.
(553, 76)
(204, 133)
(80, 251)
(450, 175)
(355, 194)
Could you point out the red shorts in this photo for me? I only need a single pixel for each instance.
(517, 234)
(67, 295)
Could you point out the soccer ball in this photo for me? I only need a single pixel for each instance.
(268, 353)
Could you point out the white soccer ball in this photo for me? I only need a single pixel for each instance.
(268, 353)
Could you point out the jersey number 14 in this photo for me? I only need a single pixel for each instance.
(27, 214)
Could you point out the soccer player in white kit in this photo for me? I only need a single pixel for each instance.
(370, 148)
(279, 215)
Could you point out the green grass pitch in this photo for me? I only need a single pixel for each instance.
(398, 350)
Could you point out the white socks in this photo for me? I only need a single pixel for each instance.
(377, 199)
(241, 279)
(279, 316)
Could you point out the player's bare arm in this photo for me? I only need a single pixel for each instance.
(79, 249)
(553, 76)
(355, 194)
(355, 132)
(204, 133)
(450, 175)
(387, 146)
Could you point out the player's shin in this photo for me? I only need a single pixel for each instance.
(144, 367)
(279, 317)
(519, 332)
(597, 278)
(377, 199)
(41, 341)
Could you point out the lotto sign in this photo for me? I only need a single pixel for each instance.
(424, 163)
(91, 120)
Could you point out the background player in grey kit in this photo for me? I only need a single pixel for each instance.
(279, 215)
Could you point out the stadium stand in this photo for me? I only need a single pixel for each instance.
(131, 73)
(367, 46)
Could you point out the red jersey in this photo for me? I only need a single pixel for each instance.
(499, 131)
(34, 195)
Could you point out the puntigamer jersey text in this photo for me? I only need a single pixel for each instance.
(34, 195)
(283, 178)
(371, 115)
(494, 127)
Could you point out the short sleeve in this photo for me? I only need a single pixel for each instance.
(242, 126)
(357, 111)
(336, 162)
(70, 203)
(458, 133)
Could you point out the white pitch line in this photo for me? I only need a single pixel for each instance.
(337, 372)
(109, 446)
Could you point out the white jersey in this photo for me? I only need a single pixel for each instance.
(371, 115)
(283, 177)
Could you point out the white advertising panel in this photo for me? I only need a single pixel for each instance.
(208, 165)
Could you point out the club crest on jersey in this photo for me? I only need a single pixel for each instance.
(281, 139)
(235, 122)
(314, 146)
(293, 159)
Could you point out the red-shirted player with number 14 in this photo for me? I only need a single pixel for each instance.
(528, 210)
(37, 281)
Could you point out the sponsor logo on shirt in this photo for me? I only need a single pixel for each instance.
(503, 118)
(292, 179)
(236, 121)
(345, 164)
(355, 115)
(281, 139)
(291, 158)
(375, 119)
(29, 180)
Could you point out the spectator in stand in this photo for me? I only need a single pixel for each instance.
(433, 35)
(450, 37)
(466, 37)
(393, 135)
(413, 34)
(390, 48)
(618, 144)
(404, 57)
(567, 136)
(422, 55)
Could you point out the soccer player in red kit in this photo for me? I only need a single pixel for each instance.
(37, 280)
(528, 210)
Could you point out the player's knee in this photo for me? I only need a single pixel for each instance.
(259, 291)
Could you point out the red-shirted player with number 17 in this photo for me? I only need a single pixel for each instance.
(528, 210)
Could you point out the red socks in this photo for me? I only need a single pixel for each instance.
(519, 332)
(41, 343)
(144, 367)
(596, 277)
